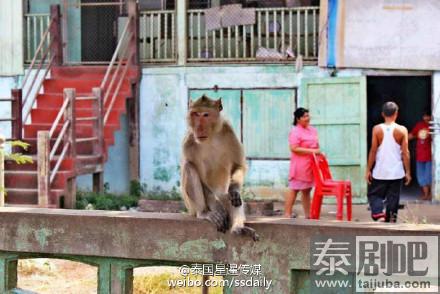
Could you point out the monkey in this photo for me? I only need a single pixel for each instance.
(213, 168)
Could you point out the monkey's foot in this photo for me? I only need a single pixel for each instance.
(220, 219)
(246, 231)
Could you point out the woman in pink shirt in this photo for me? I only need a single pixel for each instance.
(303, 141)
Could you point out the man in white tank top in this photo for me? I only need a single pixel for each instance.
(389, 155)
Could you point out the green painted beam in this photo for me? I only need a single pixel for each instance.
(8, 272)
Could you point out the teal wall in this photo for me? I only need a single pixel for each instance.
(73, 24)
(116, 169)
(164, 95)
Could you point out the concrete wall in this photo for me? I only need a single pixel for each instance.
(116, 169)
(11, 37)
(164, 96)
(381, 34)
(436, 145)
(6, 84)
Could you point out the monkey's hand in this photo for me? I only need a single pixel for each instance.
(219, 218)
(234, 196)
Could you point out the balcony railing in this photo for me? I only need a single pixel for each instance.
(35, 25)
(157, 36)
(278, 34)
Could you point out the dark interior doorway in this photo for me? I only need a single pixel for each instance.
(98, 31)
(413, 95)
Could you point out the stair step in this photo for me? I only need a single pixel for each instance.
(81, 147)
(82, 72)
(29, 205)
(86, 86)
(27, 196)
(39, 115)
(29, 179)
(66, 165)
(82, 130)
(79, 157)
(55, 100)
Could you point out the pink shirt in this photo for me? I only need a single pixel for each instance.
(300, 165)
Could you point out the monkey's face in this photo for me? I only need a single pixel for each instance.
(203, 123)
(204, 117)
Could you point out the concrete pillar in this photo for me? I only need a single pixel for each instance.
(115, 278)
(43, 167)
(8, 272)
(436, 138)
(121, 279)
(2, 172)
(181, 32)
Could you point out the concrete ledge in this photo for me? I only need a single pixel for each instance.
(178, 238)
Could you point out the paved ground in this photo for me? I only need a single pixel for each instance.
(416, 212)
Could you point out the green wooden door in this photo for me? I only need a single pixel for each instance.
(231, 105)
(267, 120)
(338, 110)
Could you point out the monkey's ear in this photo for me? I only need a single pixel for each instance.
(219, 104)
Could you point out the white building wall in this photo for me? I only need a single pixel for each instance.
(11, 37)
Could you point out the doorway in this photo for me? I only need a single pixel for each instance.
(413, 96)
(98, 30)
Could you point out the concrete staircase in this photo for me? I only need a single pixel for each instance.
(21, 181)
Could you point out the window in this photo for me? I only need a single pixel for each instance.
(271, 3)
(199, 4)
(156, 5)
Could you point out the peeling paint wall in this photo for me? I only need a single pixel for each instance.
(116, 169)
(163, 106)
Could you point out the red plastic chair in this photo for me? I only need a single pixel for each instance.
(326, 186)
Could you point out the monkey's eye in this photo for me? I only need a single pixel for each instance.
(205, 114)
(194, 114)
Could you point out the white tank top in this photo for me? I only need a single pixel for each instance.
(389, 164)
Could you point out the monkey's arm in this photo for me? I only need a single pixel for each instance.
(196, 199)
(237, 179)
(238, 161)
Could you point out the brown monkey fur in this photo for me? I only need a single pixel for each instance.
(213, 168)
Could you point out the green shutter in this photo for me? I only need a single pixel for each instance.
(267, 119)
(338, 110)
